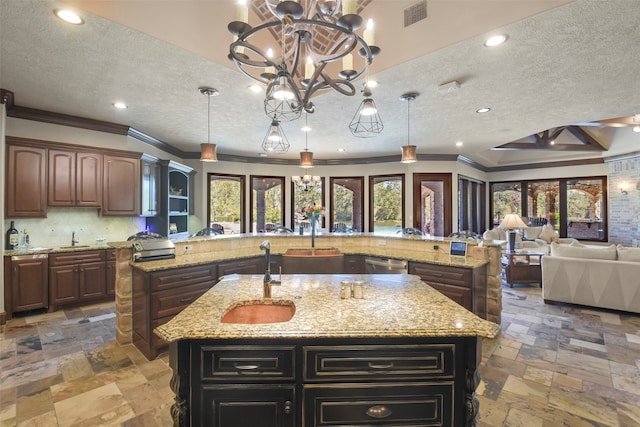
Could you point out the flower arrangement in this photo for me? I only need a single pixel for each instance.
(314, 211)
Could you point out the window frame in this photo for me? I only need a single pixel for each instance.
(242, 179)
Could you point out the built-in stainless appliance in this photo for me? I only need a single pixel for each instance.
(154, 249)
(376, 265)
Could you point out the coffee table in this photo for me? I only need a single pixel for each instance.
(522, 266)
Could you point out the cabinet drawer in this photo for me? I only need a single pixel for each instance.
(247, 363)
(442, 274)
(173, 301)
(418, 404)
(365, 362)
(80, 257)
(181, 277)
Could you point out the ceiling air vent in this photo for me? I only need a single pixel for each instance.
(415, 13)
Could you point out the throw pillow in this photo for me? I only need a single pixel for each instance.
(589, 252)
(532, 233)
(628, 254)
(547, 233)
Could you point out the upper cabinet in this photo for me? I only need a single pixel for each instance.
(121, 195)
(26, 187)
(176, 203)
(75, 179)
(150, 170)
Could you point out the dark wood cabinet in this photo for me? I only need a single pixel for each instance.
(354, 264)
(466, 286)
(158, 296)
(75, 178)
(404, 381)
(254, 265)
(111, 272)
(26, 187)
(121, 194)
(26, 283)
(76, 277)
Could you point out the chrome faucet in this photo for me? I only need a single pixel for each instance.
(73, 239)
(267, 282)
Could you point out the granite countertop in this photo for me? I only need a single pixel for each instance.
(394, 305)
(50, 250)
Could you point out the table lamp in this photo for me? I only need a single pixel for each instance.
(510, 222)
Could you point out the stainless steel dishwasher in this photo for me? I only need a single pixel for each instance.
(376, 265)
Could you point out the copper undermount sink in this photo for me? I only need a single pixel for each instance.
(322, 252)
(259, 311)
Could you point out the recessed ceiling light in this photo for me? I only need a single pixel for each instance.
(255, 88)
(120, 105)
(636, 129)
(305, 129)
(68, 16)
(483, 110)
(340, 150)
(372, 84)
(459, 144)
(262, 154)
(496, 40)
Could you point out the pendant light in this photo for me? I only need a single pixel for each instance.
(306, 156)
(208, 151)
(366, 123)
(275, 141)
(409, 151)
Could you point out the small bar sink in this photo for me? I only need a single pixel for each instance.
(259, 311)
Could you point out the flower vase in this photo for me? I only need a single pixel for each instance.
(312, 220)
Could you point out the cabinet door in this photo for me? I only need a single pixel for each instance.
(62, 178)
(26, 169)
(150, 188)
(246, 266)
(30, 284)
(63, 285)
(246, 406)
(456, 293)
(92, 280)
(88, 180)
(354, 264)
(121, 191)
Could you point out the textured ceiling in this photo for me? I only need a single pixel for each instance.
(564, 63)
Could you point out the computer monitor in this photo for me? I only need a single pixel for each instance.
(458, 249)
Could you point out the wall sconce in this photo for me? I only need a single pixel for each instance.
(623, 190)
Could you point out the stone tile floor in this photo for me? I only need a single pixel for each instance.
(551, 366)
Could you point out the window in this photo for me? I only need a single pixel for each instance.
(303, 196)
(347, 200)
(575, 207)
(267, 203)
(432, 203)
(226, 202)
(386, 203)
(471, 205)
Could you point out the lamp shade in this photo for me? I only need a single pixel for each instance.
(512, 221)
(306, 159)
(208, 153)
(408, 154)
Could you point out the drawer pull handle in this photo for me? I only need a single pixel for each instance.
(186, 299)
(287, 407)
(186, 277)
(380, 366)
(378, 411)
(246, 367)
(436, 274)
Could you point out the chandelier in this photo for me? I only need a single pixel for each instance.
(316, 44)
(306, 182)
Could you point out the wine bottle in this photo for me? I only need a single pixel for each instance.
(11, 240)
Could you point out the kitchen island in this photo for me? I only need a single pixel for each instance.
(403, 355)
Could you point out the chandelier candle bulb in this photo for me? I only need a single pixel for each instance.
(347, 62)
(242, 11)
(348, 7)
(309, 68)
(369, 34)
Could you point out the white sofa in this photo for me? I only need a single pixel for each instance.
(596, 276)
(535, 238)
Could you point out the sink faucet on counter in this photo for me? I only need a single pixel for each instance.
(73, 239)
(267, 282)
